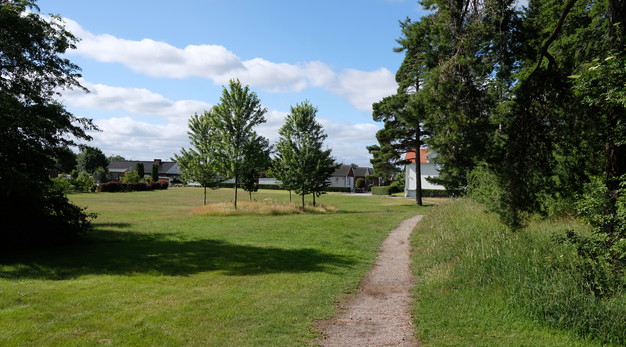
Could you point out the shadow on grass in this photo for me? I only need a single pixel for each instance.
(130, 253)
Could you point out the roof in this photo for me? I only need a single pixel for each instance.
(362, 171)
(342, 171)
(425, 155)
(165, 167)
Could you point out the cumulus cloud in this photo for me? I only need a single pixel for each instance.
(362, 88)
(132, 139)
(218, 64)
(138, 101)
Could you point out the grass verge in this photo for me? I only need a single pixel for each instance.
(153, 273)
(479, 284)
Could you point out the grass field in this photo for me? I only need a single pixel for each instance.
(153, 273)
(479, 284)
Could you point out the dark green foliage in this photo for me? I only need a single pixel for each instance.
(34, 126)
(257, 159)
(139, 168)
(90, 159)
(115, 187)
(155, 173)
(66, 159)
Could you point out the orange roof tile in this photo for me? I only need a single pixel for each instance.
(423, 153)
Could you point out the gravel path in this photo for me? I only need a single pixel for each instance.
(380, 313)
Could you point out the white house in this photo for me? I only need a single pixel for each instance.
(343, 177)
(428, 169)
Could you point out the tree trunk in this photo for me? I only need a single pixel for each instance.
(313, 199)
(418, 168)
(250, 192)
(615, 169)
(302, 201)
(235, 197)
(204, 204)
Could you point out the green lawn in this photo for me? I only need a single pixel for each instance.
(152, 273)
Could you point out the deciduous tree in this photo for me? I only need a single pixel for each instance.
(302, 163)
(34, 125)
(235, 117)
(199, 163)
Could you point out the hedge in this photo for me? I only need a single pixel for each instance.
(279, 187)
(382, 190)
(115, 186)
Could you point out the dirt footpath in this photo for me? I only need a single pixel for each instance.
(380, 313)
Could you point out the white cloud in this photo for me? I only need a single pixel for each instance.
(216, 63)
(134, 139)
(139, 140)
(362, 88)
(138, 101)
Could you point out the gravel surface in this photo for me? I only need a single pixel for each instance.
(380, 314)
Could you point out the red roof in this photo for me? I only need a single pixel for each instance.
(423, 153)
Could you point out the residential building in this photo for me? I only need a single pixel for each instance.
(428, 170)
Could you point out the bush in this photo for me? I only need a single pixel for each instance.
(382, 190)
(115, 187)
(131, 177)
(482, 186)
(359, 183)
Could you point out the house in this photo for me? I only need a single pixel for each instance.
(364, 173)
(343, 177)
(167, 169)
(428, 170)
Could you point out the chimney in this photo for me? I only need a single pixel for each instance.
(157, 162)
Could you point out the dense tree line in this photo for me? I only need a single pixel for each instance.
(534, 98)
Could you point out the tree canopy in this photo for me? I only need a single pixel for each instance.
(531, 97)
(34, 127)
(301, 163)
(235, 117)
(199, 163)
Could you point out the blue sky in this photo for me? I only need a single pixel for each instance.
(152, 64)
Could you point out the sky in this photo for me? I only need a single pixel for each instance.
(150, 65)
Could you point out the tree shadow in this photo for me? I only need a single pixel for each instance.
(130, 253)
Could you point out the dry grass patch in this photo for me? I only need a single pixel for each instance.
(266, 207)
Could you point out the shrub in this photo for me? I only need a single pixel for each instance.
(131, 177)
(114, 187)
(382, 190)
(360, 183)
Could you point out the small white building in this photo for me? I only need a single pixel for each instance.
(343, 177)
(428, 169)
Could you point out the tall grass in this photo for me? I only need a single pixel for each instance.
(479, 283)
(259, 208)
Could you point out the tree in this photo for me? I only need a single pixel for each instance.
(235, 117)
(140, 169)
(301, 162)
(113, 158)
(34, 125)
(199, 163)
(257, 159)
(66, 159)
(155, 173)
(91, 158)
